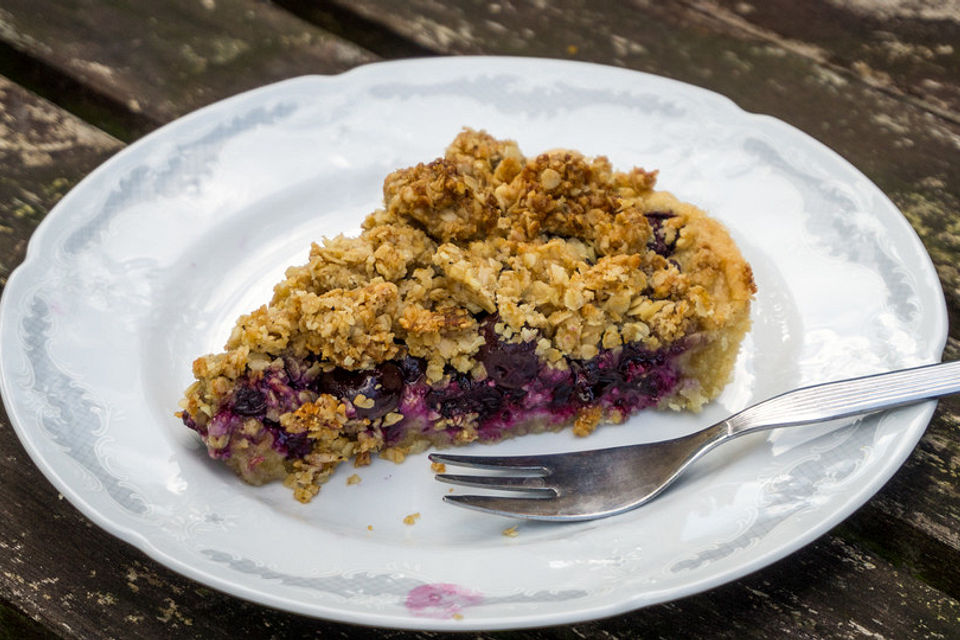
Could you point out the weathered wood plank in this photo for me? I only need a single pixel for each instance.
(164, 59)
(16, 626)
(911, 49)
(72, 95)
(351, 26)
(43, 154)
(60, 575)
(910, 152)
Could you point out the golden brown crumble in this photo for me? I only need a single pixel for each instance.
(587, 421)
(557, 243)
(558, 246)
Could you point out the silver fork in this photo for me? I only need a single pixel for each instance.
(586, 485)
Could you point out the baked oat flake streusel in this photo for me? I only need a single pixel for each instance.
(493, 295)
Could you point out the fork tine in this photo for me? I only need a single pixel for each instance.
(533, 484)
(524, 463)
(531, 508)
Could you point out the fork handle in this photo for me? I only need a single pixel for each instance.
(856, 396)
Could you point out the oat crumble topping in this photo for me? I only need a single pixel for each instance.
(567, 255)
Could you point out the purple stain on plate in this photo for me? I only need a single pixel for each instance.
(440, 600)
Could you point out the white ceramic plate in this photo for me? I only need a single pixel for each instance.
(147, 263)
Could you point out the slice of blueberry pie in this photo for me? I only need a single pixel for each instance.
(493, 295)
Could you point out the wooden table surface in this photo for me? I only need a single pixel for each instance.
(878, 81)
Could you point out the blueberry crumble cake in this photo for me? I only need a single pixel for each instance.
(493, 295)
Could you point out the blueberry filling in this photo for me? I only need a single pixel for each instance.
(659, 243)
(510, 365)
(518, 386)
(292, 445)
(192, 424)
(464, 395)
(248, 401)
(411, 368)
(381, 386)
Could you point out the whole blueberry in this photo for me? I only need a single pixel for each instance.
(411, 368)
(382, 385)
(465, 395)
(509, 364)
(658, 243)
(248, 401)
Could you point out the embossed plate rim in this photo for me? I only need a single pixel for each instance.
(912, 421)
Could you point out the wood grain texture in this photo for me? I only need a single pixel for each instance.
(164, 59)
(909, 49)
(890, 571)
(44, 153)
